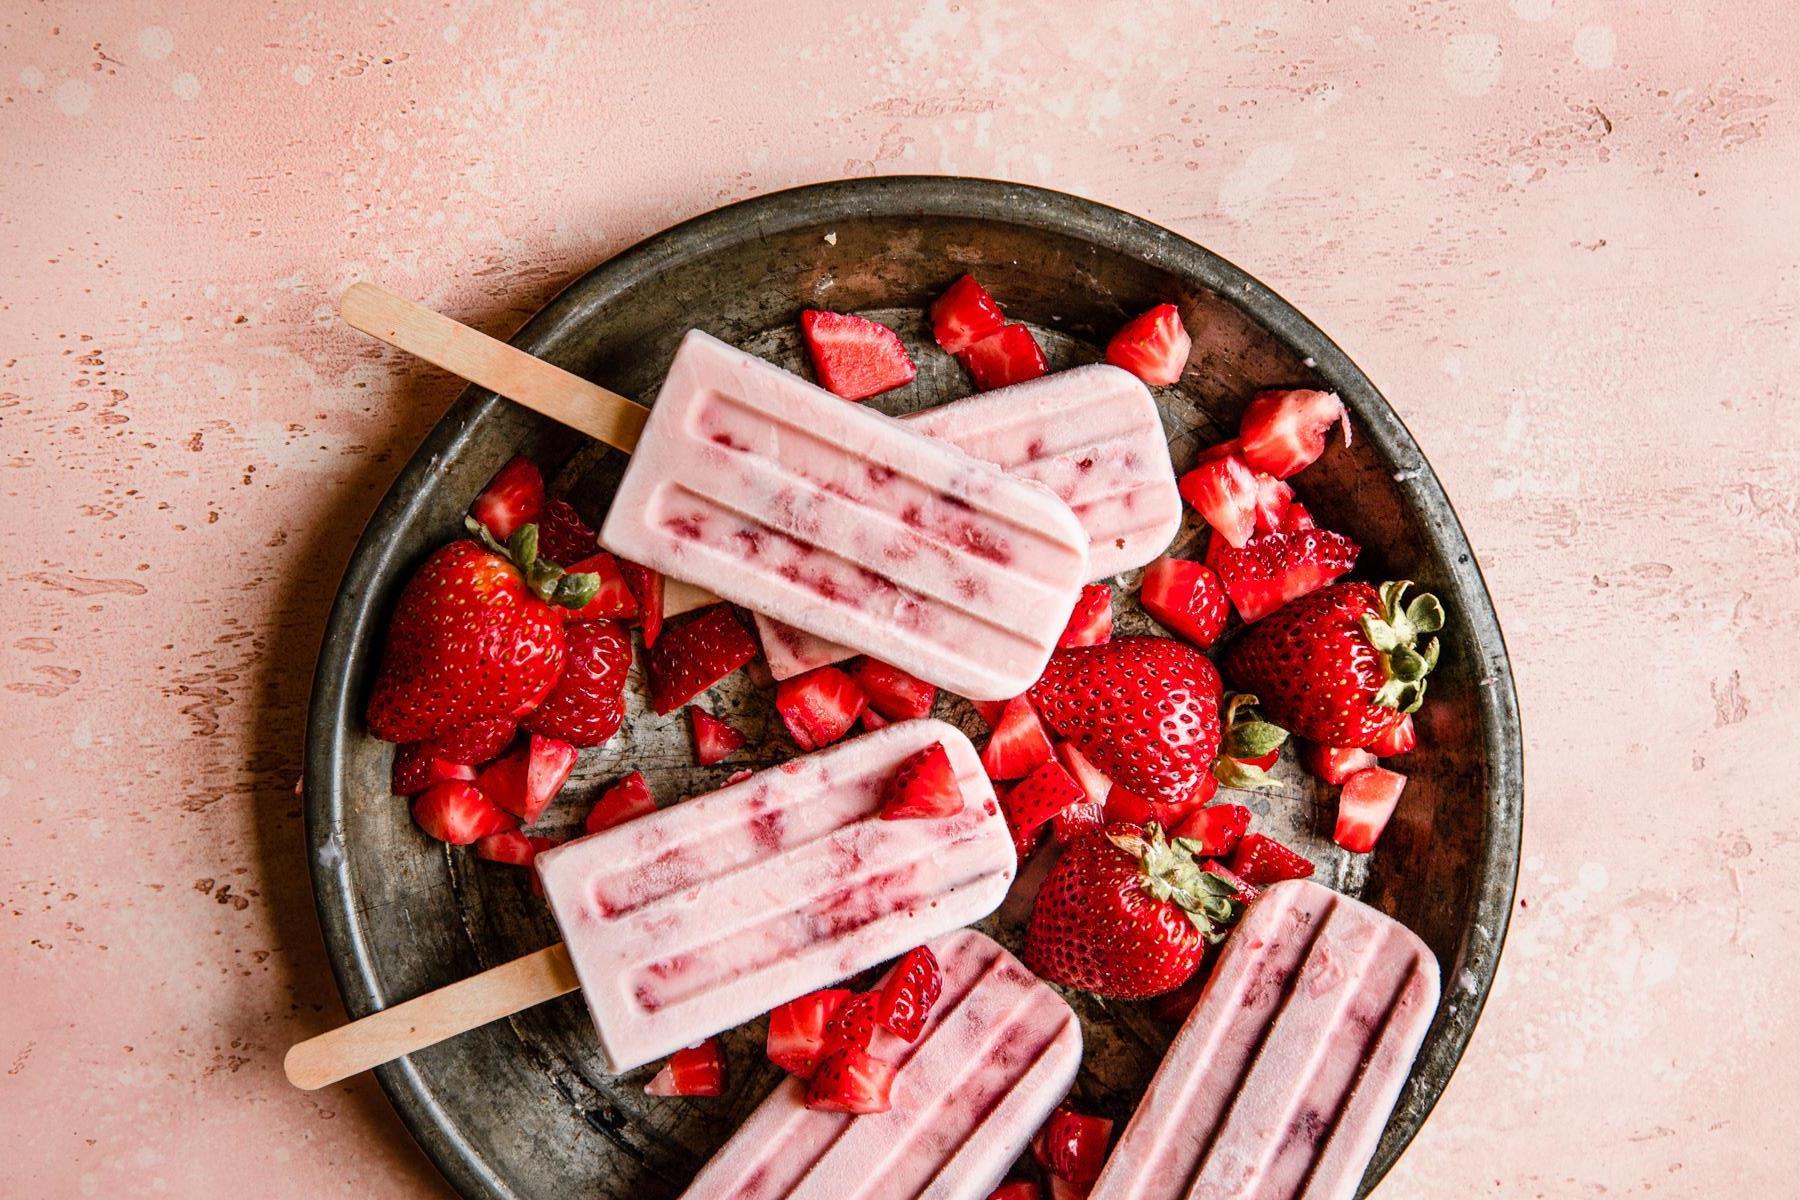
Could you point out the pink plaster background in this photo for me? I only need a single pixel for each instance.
(1561, 234)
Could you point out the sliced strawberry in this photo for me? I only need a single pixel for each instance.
(1093, 783)
(587, 704)
(563, 537)
(1274, 500)
(1216, 829)
(1018, 745)
(963, 315)
(1091, 622)
(852, 1026)
(647, 586)
(1260, 860)
(694, 653)
(1364, 806)
(1124, 805)
(1077, 820)
(1016, 1189)
(1273, 568)
(892, 692)
(989, 710)
(923, 785)
(1334, 764)
(696, 1071)
(1186, 597)
(872, 720)
(613, 601)
(623, 801)
(1002, 359)
(1152, 345)
(1283, 432)
(853, 356)
(1224, 491)
(714, 740)
(851, 1081)
(416, 768)
(1296, 517)
(797, 1030)
(1032, 805)
(907, 996)
(819, 707)
(1402, 738)
(1072, 1146)
(525, 781)
(512, 498)
(508, 846)
(456, 812)
(1245, 892)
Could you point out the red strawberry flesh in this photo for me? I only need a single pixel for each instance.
(923, 785)
(525, 781)
(851, 1081)
(1260, 860)
(819, 707)
(1004, 358)
(1185, 597)
(1224, 491)
(456, 812)
(853, 356)
(909, 992)
(587, 704)
(1273, 568)
(890, 691)
(625, 800)
(1283, 431)
(964, 315)
(796, 1039)
(1364, 806)
(695, 1071)
(695, 652)
(1018, 745)
(1153, 346)
(563, 537)
(512, 498)
(1092, 621)
(714, 740)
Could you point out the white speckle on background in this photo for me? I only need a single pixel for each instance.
(1595, 46)
(1532, 10)
(155, 42)
(452, 34)
(186, 87)
(73, 96)
(1244, 190)
(303, 75)
(331, 852)
(5, 787)
(1472, 63)
(31, 79)
(82, 736)
(831, 238)
(1453, 367)
(1593, 877)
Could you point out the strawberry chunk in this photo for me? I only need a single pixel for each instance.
(1271, 569)
(1016, 1189)
(1274, 500)
(892, 692)
(1283, 431)
(694, 653)
(1152, 345)
(1364, 806)
(1018, 745)
(964, 315)
(563, 537)
(508, 846)
(1031, 805)
(1072, 1146)
(1335, 764)
(819, 707)
(1260, 860)
(1092, 621)
(872, 720)
(851, 1081)
(797, 1030)
(1186, 597)
(1093, 783)
(696, 1071)
(714, 740)
(989, 710)
(909, 992)
(475, 743)
(613, 600)
(1216, 829)
(852, 1026)
(923, 785)
(512, 498)
(1124, 805)
(417, 767)
(647, 587)
(525, 781)
(1245, 893)
(1224, 491)
(1401, 738)
(625, 800)
(853, 356)
(587, 704)
(1077, 821)
(456, 812)
(1004, 358)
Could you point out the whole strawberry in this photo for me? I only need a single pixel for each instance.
(587, 705)
(476, 636)
(1144, 710)
(1342, 665)
(1126, 914)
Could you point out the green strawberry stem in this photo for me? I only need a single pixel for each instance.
(1395, 636)
(549, 582)
(1247, 736)
(1168, 871)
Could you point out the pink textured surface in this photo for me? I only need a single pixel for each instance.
(1561, 235)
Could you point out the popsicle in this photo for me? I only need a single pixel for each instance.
(998, 1052)
(1281, 1080)
(714, 910)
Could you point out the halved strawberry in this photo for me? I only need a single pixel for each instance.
(1072, 1146)
(1223, 490)
(613, 601)
(512, 498)
(1283, 431)
(1216, 829)
(963, 315)
(923, 785)
(1334, 764)
(1004, 358)
(1152, 345)
(696, 1071)
(563, 537)
(892, 692)
(1016, 1189)
(416, 768)
(1186, 597)
(1273, 568)
(694, 653)
(819, 707)
(1401, 738)
(1274, 500)
(1018, 745)
(853, 356)
(714, 740)
(587, 704)
(1091, 622)
(1030, 806)
(851, 1081)
(910, 990)
(625, 800)
(475, 743)
(1260, 860)
(647, 586)
(797, 1030)
(456, 812)
(1093, 783)
(508, 846)
(525, 781)
(1364, 806)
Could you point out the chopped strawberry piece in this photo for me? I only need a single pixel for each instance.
(586, 705)
(1123, 805)
(1017, 1189)
(852, 1026)
(1260, 860)
(1175, 1006)
(1031, 805)
(1018, 745)
(1273, 568)
(696, 1071)
(909, 992)
(892, 692)
(797, 1030)
(456, 812)
(1094, 784)
(1274, 500)
(647, 586)
(1283, 431)
(613, 601)
(1091, 622)
(512, 498)
(1072, 1146)
(989, 710)
(563, 537)
(714, 740)
(1224, 491)
(1295, 518)
(1001, 359)
(853, 356)
(1077, 821)
(1217, 828)
(1187, 598)
(923, 785)
(1401, 738)
(738, 776)
(1245, 893)
(1334, 764)
(694, 653)
(819, 707)
(1152, 345)
(416, 768)
(1062, 1189)
(508, 846)
(525, 781)
(625, 800)
(963, 315)
(872, 720)
(1364, 806)
(851, 1081)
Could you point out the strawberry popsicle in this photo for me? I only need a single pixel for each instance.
(702, 915)
(1281, 1080)
(830, 517)
(997, 1053)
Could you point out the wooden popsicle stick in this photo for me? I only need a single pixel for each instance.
(426, 1020)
